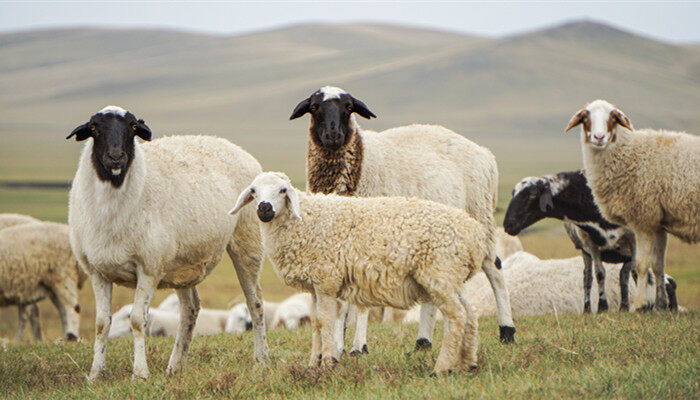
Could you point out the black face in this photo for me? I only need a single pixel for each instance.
(330, 119)
(113, 147)
(528, 206)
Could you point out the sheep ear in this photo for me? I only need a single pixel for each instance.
(301, 109)
(361, 109)
(293, 199)
(244, 198)
(81, 133)
(142, 130)
(619, 118)
(577, 119)
(546, 202)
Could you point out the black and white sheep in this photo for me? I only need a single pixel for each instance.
(426, 161)
(153, 215)
(567, 197)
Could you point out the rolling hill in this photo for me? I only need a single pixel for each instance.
(513, 94)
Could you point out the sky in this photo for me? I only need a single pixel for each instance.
(673, 21)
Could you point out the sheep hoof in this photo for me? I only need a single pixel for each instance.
(473, 368)
(72, 337)
(95, 376)
(646, 308)
(507, 334)
(423, 344)
(602, 306)
(624, 307)
(364, 349)
(329, 362)
(139, 375)
(587, 307)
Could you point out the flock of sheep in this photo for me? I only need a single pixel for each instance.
(399, 219)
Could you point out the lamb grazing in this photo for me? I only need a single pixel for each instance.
(238, 318)
(539, 287)
(36, 262)
(646, 180)
(381, 251)
(567, 197)
(153, 216)
(425, 161)
(293, 312)
(25, 312)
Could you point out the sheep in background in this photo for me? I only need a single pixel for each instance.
(646, 180)
(506, 245)
(540, 287)
(293, 312)
(424, 161)
(30, 311)
(381, 251)
(153, 216)
(36, 261)
(238, 318)
(567, 197)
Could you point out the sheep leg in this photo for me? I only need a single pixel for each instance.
(359, 344)
(34, 320)
(587, 281)
(102, 288)
(65, 298)
(145, 288)
(645, 259)
(327, 317)
(600, 279)
(315, 358)
(660, 242)
(189, 309)
(470, 338)
(248, 272)
(343, 309)
(22, 316)
(624, 285)
(455, 317)
(498, 284)
(426, 326)
(671, 293)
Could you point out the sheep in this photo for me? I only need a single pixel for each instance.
(152, 215)
(646, 180)
(165, 323)
(238, 318)
(381, 251)
(539, 287)
(36, 261)
(293, 312)
(567, 197)
(25, 312)
(507, 245)
(425, 161)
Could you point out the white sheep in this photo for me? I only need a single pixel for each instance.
(540, 287)
(165, 323)
(36, 261)
(646, 180)
(506, 245)
(425, 161)
(293, 312)
(153, 216)
(381, 251)
(30, 311)
(238, 318)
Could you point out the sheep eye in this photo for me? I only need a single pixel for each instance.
(348, 107)
(283, 191)
(314, 107)
(133, 127)
(252, 190)
(93, 128)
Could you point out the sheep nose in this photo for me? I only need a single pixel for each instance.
(116, 156)
(248, 325)
(599, 137)
(265, 212)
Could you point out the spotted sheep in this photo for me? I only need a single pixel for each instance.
(153, 215)
(647, 180)
(379, 251)
(426, 161)
(567, 197)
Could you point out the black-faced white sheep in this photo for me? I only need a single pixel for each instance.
(424, 161)
(153, 216)
(380, 251)
(646, 180)
(567, 197)
(36, 261)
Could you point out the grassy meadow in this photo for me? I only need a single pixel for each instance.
(512, 94)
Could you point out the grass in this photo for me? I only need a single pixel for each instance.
(566, 356)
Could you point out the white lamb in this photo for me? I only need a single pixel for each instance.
(153, 216)
(381, 251)
(646, 180)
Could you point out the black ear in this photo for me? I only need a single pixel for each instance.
(361, 109)
(546, 203)
(142, 130)
(81, 133)
(301, 109)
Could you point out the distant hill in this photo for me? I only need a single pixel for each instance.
(516, 89)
